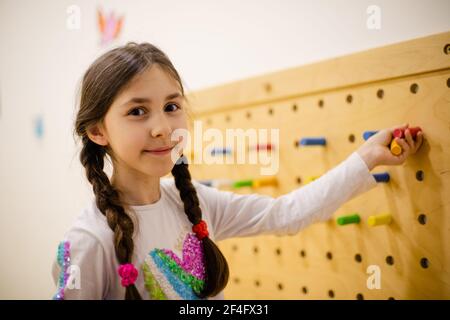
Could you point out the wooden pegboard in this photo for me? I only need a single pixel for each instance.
(340, 99)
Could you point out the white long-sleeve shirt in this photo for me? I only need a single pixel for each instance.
(164, 225)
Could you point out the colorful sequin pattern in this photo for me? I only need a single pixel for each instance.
(169, 277)
(63, 258)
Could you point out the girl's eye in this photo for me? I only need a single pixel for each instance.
(173, 104)
(132, 112)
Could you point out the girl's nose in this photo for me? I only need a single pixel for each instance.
(160, 126)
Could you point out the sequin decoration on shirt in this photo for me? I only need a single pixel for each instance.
(63, 258)
(176, 278)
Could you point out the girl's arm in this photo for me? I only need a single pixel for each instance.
(236, 215)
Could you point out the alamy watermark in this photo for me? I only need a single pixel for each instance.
(374, 279)
(73, 21)
(374, 17)
(204, 142)
(74, 279)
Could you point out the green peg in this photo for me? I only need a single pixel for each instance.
(243, 183)
(354, 218)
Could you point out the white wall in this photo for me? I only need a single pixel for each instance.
(42, 184)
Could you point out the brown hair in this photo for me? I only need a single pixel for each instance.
(101, 83)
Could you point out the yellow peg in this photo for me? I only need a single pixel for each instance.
(311, 179)
(378, 220)
(272, 181)
(395, 148)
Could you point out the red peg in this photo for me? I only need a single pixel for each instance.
(400, 133)
(267, 147)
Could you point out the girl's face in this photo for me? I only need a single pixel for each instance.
(143, 117)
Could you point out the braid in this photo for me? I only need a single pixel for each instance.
(216, 266)
(108, 202)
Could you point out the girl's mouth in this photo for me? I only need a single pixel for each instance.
(159, 153)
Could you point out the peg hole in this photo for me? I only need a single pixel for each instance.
(349, 98)
(424, 263)
(380, 93)
(331, 293)
(422, 219)
(390, 260)
(420, 175)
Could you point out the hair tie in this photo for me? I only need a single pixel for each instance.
(200, 229)
(182, 159)
(128, 273)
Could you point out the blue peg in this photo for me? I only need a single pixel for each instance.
(368, 134)
(381, 177)
(220, 151)
(317, 141)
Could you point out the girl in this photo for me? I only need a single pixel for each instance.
(152, 238)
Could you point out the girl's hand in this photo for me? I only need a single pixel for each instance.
(375, 151)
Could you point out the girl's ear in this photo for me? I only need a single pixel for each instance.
(97, 134)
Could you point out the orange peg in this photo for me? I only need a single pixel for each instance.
(272, 181)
